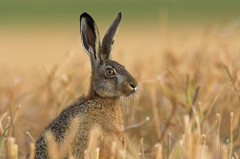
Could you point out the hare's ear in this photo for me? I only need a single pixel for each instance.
(90, 38)
(109, 38)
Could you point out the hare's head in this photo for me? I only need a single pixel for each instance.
(109, 78)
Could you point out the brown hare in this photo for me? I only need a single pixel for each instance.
(69, 132)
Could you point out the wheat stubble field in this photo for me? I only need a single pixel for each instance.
(188, 101)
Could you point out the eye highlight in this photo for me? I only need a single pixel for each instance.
(110, 72)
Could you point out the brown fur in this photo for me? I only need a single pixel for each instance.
(101, 112)
(98, 113)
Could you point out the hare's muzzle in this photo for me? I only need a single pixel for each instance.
(129, 87)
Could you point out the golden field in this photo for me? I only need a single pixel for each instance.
(189, 86)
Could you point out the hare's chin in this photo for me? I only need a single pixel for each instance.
(128, 94)
(107, 94)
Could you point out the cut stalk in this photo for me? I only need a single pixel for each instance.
(32, 151)
(4, 134)
(155, 112)
(218, 135)
(142, 148)
(158, 151)
(231, 136)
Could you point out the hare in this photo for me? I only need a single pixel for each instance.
(70, 131)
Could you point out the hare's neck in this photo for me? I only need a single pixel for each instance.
(110, 105)
(113, 111)
(91, 93)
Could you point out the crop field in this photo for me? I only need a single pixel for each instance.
(185, 56)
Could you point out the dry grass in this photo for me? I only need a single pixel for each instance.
(189, 82)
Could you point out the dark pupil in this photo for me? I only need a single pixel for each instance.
(112, 42)
(109, 71)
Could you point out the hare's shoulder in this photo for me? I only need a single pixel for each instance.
(77, 109)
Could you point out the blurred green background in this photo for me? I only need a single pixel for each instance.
(15, 12)
(37, 32)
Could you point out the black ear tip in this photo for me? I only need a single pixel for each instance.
(84, 15)
(87, 17)
(120, 16)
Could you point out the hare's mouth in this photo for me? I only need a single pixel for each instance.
(130, 92)
(134, 90)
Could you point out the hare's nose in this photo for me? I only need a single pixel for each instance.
(134, 87)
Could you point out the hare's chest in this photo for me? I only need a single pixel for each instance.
(110, 123)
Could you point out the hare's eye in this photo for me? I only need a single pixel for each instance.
(109, 72)
(112, 42)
